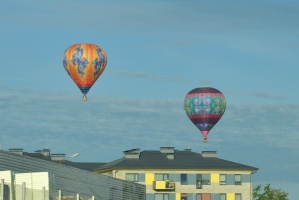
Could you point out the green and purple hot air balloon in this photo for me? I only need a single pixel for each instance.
(204, 106)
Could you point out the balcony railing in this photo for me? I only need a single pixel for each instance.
(164, 185)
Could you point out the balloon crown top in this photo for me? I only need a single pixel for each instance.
(205, 89)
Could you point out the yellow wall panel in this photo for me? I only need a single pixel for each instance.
(177, 196)
(215, 178)
(149, 178)
(230, 196)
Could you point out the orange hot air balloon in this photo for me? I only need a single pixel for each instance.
(84, 63)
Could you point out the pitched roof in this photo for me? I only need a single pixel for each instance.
(182, 160)
(88, 166)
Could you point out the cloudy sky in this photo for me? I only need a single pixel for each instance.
(157, 52)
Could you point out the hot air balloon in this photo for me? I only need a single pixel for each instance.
(204, 106)
(84, 63)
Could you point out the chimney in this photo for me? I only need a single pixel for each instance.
(209, 154)
(133, 153)
(46, 152)
(167, 150)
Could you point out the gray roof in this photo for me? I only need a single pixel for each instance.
(88, 166)
(182, 160)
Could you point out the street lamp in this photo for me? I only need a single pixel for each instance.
(74, 155)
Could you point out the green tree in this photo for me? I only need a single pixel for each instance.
(269, 193)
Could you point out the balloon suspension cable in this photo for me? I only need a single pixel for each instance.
(205, 140)
(84, 98)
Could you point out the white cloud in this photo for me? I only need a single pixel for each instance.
(268, 97)
(103, 127)
(149, 76)
(33, 113)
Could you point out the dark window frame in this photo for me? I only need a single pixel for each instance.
(236, 181)
(222, 182)
(165, 177)
(163, 197)
(206, 181)
(198, 196)
(184, 181)
(222, 195)
(136, 177)
(238, 194)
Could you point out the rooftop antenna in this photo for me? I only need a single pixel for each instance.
(47, 141)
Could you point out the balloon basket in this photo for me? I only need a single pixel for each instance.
(205, 140)
(84, 98)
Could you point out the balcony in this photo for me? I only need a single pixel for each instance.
(164, 185)
(198, 184)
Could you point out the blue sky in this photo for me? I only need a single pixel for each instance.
(157, 52)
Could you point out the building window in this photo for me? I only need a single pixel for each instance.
(238, 180)
(161, 177)
(206, 179)
(238, 196)
(184, 196)
(161, 197)
(184, 179)
(222, 196)
(198, 197)
(206, 196)
(222, 179)
(132, 177)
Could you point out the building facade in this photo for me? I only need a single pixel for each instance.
(169, 174)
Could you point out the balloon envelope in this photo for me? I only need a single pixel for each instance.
(204, 106)
(84, 63)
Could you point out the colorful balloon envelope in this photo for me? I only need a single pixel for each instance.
(204, 106)
(84, 63)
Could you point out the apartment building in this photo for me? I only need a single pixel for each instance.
(171, 174)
